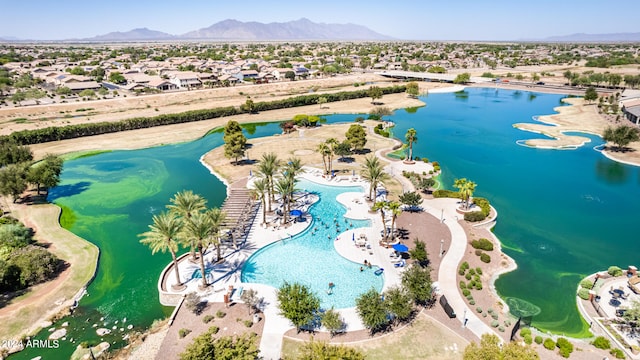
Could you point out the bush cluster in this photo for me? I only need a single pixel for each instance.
(485, 258)
(482, 244)
(474, 216)
(614, 271)
(441, 193)
(549, 344)
(619, 354)
(586, 283)
(381, 131)
(583, 294)
(566, 347)
(21, 263)
(601, 343)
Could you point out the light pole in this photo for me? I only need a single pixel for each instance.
(464, 318)
(441, 216)
(441, 245)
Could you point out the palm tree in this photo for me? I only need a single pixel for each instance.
(411, 138)
(217, 218)
(466, 189)
(259, 191)
(164, 234)
(293, 168)
(199, 229)
(331, 143)
(267, 168)
(285, 187)
(324, 150)
(395, 209)
(381, 206)
(373, 172)
(186, 204)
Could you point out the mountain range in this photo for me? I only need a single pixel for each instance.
(230, 30)
(582, 37)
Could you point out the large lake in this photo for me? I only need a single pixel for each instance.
(563, 214)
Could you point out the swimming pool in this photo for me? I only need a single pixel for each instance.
(310, 258)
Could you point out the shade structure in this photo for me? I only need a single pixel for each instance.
(295, 212)
(400, 248)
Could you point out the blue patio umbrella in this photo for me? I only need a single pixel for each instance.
(400, 248)
(295, 213)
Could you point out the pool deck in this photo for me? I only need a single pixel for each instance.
(227, 274)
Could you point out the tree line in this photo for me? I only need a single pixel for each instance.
(36, 136)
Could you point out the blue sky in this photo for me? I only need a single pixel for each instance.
(402, 19)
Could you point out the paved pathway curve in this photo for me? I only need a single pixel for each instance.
(445, 209)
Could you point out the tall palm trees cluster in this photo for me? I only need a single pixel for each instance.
(187, 223)
(394, 208)
(373, 172)
(327, 150)
(276, 178)
(465, 188)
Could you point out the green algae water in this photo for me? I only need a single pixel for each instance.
(563, 214)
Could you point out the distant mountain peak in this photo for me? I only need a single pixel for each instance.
(301, 29)
(132, 35)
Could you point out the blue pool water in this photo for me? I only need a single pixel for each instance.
(310, 257)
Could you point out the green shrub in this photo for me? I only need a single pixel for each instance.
(478, 252)
(566, 347)
(490, 310)
(485, 258)
(525, 331)
(501, 328)
(507, 322)
(478, 271)
(466, 292)
(538, 339)
(472, 302)
(494, 316)
(549, 344)
(474, 216)
(213, 330)
(472, 271)
(483, 204)
(207, 318)
(183, 332)
(495, 323)
(462, 285)
(441, 193)
(482, 244)
(478, 285)
(469, 297)
(467, 276)
(484, 314)
(465, 265)
(614, 271)
(461, 271)
(471, 284)
(528, 340)
(619, 354)
(248, 323)
(583, 294)
(587, 284)
(601, 343)
(479, 310)
(220, 314)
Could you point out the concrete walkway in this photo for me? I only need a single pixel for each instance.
(445, 209)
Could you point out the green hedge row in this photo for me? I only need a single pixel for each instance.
(27, 137)
(441, 193)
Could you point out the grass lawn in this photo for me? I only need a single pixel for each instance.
(424, 339)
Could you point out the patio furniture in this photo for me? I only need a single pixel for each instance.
(634, 284)
(614, 302)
